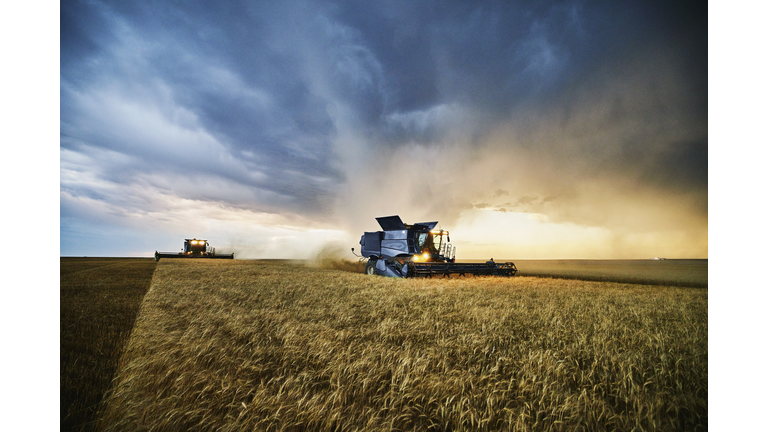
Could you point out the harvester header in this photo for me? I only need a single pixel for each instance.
(402, 250)
(194, 248)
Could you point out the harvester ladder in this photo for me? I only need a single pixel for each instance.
(449, 251)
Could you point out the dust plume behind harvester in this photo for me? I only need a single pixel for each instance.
(194, 248)
(402, 250)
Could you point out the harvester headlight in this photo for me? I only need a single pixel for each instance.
(426, 256)
(415, 257)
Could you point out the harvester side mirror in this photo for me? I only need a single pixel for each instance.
(353, 249)
(449, 239)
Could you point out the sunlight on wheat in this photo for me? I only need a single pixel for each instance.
(260, 345)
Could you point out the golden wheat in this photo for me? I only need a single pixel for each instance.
(671, 272)
(261, 345)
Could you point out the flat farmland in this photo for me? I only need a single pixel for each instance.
(99, 299)
(279, 345)
(671, 272)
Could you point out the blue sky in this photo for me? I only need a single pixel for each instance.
(274, 129)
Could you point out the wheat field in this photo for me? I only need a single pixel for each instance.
(99, 300)
(276, 345)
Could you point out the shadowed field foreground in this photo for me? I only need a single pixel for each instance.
(266, 345)
(99, 299)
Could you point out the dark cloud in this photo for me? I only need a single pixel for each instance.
(209, 80)
(320, 109)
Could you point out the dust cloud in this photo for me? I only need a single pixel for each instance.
(334, 256)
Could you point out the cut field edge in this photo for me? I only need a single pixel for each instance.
(627, 280)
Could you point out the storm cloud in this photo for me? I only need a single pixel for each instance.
(264, 122)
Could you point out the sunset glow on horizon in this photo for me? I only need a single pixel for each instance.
(573, 130)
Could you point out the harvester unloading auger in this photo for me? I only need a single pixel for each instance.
(402, 250)
(194, 248)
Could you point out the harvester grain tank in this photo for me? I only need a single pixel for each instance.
(402, 250)
(194, 248)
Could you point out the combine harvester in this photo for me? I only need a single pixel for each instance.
(194, 248)
(402, 250)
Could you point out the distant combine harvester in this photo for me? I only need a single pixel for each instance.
(194, 248)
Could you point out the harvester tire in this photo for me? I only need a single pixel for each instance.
(370, 267)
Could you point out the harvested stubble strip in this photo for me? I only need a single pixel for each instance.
(99, 302)
(276, 346)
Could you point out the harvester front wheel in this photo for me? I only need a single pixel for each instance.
(370, 267)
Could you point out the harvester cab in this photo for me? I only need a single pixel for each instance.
(194, 248)
(402, 250)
